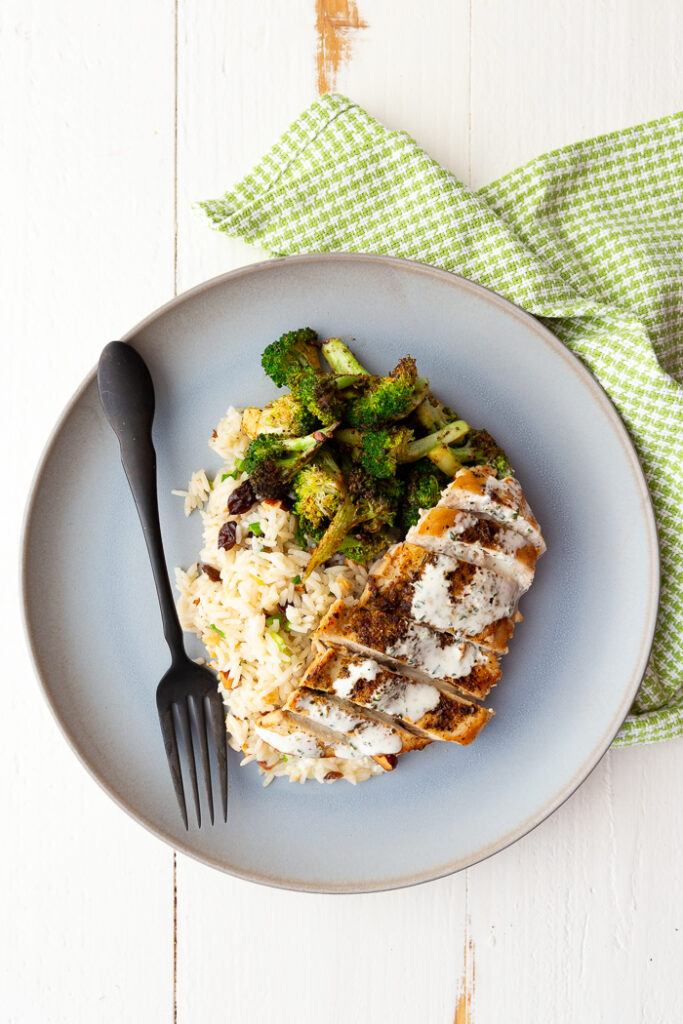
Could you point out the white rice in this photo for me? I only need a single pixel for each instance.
(259, 658)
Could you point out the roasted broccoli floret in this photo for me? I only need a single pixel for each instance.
(381, 399)
(378, 450)
(363, 547)
(319, 393)
(342, 360)
(384, 399)
(382, 449)
(319, 490)
(306, 531)
(370, 503)
(285, 415)
(272, 460)
(481, 450)
(294, 351)
(433, 414)
(424, 484)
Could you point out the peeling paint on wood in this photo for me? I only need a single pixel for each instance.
(463, 1009)
(335, 21)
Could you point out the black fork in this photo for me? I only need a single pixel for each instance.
(187, 690)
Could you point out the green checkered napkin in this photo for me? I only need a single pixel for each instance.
(588, 238)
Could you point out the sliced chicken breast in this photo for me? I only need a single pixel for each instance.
(368, 733)
(415, 650)
(364, 681)
(290, 735)
(478, 490)
(482, 542)
(440, 591)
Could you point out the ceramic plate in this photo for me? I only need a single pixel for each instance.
(576, 660)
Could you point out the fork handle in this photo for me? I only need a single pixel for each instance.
(127, 395)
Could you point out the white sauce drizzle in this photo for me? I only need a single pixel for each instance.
(503, 502)
(408, 700)
(510, 541)
(297, 742)
(366, 736)
(392, 694)
(422, 648)
(431, 594)
(485, 599)
(464, 521)
(357, 670)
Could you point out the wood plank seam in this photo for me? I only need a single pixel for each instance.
(469, 97)
(463, 1007)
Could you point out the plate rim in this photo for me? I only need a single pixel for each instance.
(588, 765)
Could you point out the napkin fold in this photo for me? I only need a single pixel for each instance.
(588, 238)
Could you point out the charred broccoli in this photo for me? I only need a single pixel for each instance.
(378, 450)
(306, 531)
(381, 399)
(382, 449)
(283, 359)
(319, 490)
(481, 450)
(424, 485)
(285, 415)
(387, 398)
(363, 547)
(319, 393)
(272, 460)
(370, 503)
(359, 545)
(341, 359)
(434, 415)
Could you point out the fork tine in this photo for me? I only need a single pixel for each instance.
(171, 744)
(200, 721)
(220, 743)
(184, 719)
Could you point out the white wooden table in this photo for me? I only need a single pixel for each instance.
(117, 114)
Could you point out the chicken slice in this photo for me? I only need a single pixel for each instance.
(368, 733)
(440, 591)
(364, 681)
(482, 542)
(415, 650)
(289, 735)
(478, 490)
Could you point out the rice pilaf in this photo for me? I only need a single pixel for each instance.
(256, 618)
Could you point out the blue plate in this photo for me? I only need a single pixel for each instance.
(576, 660)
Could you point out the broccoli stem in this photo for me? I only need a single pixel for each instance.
(344, 519)
(421, 386)
(418, 449)
(444, 460)
(351, 436)
(305, 445)
(341, 381)
(434, 415)
(424, 445)
(341, 358)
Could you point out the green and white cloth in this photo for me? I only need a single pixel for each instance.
(588, 238)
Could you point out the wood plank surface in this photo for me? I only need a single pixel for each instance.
(546, 73)
(583, 918)
(118, 117)
(87, 170)
(382, 957)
